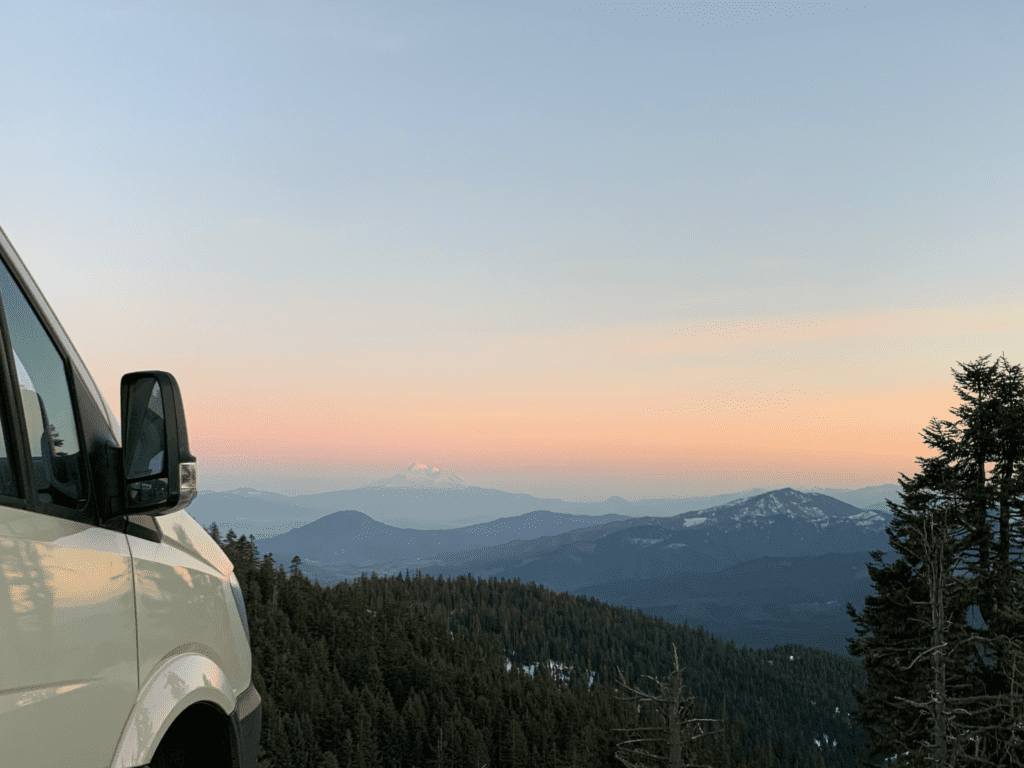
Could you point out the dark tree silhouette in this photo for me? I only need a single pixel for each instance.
(965, 709)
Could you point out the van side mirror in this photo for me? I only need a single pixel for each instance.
(159, 470)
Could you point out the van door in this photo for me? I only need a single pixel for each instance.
(68, 656)
(68, 664)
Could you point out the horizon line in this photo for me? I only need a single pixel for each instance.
(295, 494)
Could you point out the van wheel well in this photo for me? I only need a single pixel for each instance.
(198, 738)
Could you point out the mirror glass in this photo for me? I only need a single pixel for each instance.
(145, 450)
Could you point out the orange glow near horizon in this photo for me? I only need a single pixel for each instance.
(800, 399)
(870, 437)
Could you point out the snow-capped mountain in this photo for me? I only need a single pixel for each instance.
(420, 476)
(818, 509)
(781, 523)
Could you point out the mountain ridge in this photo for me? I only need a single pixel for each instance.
(350, 537)
(267, 513)
(824, 513)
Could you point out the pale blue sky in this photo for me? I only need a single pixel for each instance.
(358, 202)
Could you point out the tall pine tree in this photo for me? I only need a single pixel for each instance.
(970, 690)
(930, 539)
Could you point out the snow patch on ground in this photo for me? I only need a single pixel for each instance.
(646, 542)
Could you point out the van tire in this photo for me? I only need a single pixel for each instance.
(198, 738)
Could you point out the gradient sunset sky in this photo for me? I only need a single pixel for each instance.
(568, 248)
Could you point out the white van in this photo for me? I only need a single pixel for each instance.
(123, 635)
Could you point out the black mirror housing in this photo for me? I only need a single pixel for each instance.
(159, 471)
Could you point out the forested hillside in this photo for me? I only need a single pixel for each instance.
(411, 672)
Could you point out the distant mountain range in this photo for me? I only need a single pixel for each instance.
(426, 498)
(760, 567)
(782, 523)
(773, 568)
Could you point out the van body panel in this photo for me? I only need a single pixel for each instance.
(184, 531)
(247, 722)
(182, 602)
(68, 664)
(179, 682)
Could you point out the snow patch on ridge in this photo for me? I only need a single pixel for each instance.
(646, 542)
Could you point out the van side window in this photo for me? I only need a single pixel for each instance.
(45, 401)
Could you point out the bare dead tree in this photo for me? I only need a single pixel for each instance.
(440, 745)
(936, 551)
(680, 730)
(957, 720)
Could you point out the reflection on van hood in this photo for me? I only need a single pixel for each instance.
(181, 529)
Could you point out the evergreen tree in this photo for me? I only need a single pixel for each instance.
(262, 761)
(931, 539)
(417, 730)
(477, 753)
(949, 563)
(348, 750)
(513, 750)
(440, 749)
(366, 754)
(390, 730)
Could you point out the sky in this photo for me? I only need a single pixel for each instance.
(567, 248)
